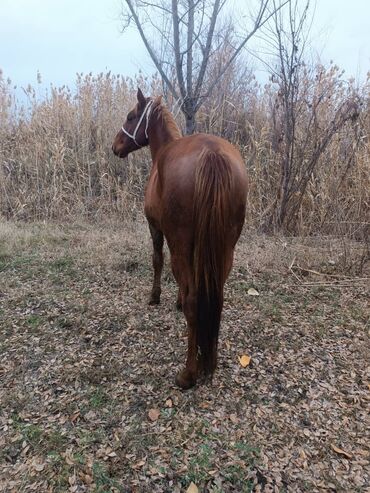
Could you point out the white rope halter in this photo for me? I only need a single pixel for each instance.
(146, 113)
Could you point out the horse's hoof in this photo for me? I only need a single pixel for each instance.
(185, 380)
(155, 296)
(154, 301)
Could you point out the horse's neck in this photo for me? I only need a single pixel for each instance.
(162, 131)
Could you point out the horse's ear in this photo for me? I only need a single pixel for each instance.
(140, 97)
(158, 101)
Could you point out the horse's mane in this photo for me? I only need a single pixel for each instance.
(168, 121)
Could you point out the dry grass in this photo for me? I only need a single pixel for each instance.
(85, 361)
(56, 160)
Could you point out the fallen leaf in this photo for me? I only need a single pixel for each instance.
(244, 360)
(154, 414)
(74, 416)
(69, 459)
(364, 453)
(90, 415)
(193, 488)
(87, 479)
(340, 451)
(38, 467)
(139, 464)
(169, 403)
(72, 480)
(25, 450)
(253, 292)
(101, 452)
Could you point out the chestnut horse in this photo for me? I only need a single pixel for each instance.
(196, 199)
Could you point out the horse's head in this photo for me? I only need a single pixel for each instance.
(134, 132)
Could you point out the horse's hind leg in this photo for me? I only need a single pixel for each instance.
(157, 237)
(179, 300)
(188, 376)
(182, 271)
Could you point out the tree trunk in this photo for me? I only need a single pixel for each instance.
(190, 124)
(190, 111)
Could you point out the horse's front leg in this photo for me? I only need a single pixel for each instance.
(157, 237)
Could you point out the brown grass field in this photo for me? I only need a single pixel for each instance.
(87, 394)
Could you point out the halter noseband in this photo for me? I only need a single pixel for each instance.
(146, 113)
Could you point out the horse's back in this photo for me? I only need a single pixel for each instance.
(180, 160)
(188, 149)
(177, 171)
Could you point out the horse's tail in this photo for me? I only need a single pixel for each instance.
(211, 213)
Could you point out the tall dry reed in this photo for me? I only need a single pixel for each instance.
(56, 160)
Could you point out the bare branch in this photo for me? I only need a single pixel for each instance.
(150, 49)
(176, 43)
(258, 24)
(189, 65)
(207, 48)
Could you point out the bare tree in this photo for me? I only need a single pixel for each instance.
(186, 31)
(303, 94)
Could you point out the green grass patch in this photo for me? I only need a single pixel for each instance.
(23, 263)
(34, 321)
(98, 398)
(5, 260)
(42, 441)
(33, 435)
(63, 264)
(86, 438)
(200, 465)
(60, 268)
(246, 459)
(103, 479)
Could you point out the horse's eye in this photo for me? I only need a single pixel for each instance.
(130, 117)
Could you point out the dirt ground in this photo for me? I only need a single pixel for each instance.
(87, 394)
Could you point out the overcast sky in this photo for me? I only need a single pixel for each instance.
(62, 37)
